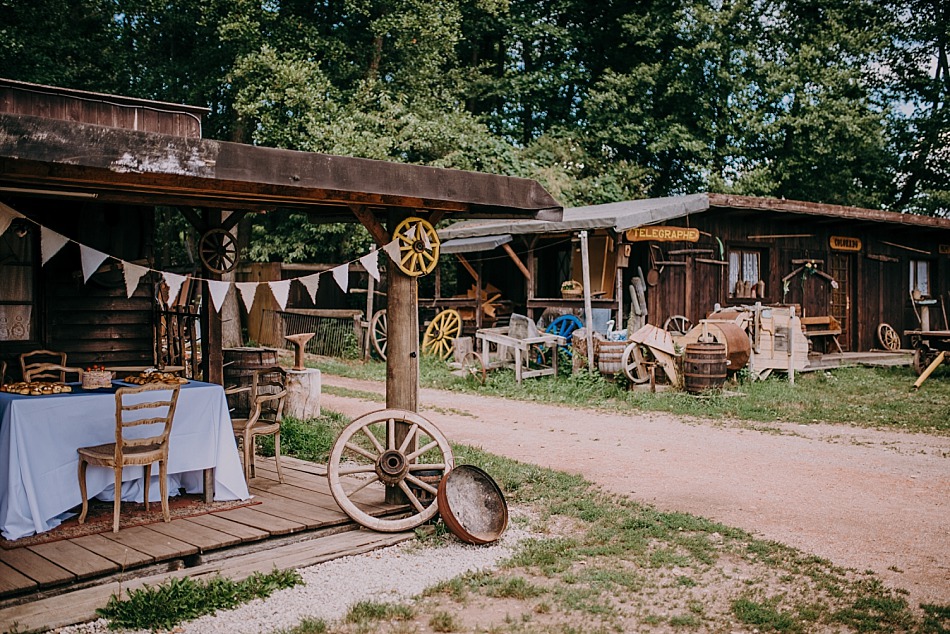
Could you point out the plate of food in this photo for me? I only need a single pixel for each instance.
(36, 388)
(148, 378)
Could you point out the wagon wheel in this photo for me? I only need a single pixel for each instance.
(923, 357)
(441, 333)
(418, 246)
(564, 326)
(367, 448)
(218, 251)
(888, 337)
(379, 329)
(474, 369)
(634, 365)
(677, 324)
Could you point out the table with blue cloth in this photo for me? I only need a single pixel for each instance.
(39, 466)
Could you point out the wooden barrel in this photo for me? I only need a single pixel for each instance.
(610, 356)
(239, 364)
(704, 366)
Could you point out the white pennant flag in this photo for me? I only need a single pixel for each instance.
(425, 238)
(248, 290)
(411, 233)
(133, 273)
(7, 214)
(50, 243)
(281, 291)
(393, 251)
(341, 275)
(91, 259)
(174, 282)
(370, 262)
(218, 291)
(312, 283)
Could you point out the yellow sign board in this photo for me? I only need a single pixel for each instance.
(945, 249)
(663, 234)
(843, 243)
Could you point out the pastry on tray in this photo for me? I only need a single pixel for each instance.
(155, 377)
(35, 388)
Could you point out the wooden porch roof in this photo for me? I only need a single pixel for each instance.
(40, 156)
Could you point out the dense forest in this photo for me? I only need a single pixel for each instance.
(836, 101)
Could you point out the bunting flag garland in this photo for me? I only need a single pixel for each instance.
(370, 262)
(247, 291)
(341, 275)
(280, 290)
(7, 215)
(50, 244)
(133, 273)
(312, 282)
(91, 259)
(218, 291)
(174, 282)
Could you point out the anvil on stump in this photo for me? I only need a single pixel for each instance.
(303, 384)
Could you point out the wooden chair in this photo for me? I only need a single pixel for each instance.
(134, 406)
(29, 360)
(37, 371)
(267, 392)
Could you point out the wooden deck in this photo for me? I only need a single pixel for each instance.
(300, 513)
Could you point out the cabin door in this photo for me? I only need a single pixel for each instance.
(842, 269)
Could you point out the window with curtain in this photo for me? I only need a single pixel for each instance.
(17, 268)
(745, 271)
(920, 277)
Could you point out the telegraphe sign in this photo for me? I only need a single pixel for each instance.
(663, 234)
(843, 243)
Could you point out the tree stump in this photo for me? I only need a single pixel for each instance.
(303, 394)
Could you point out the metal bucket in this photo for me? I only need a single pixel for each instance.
(472, 505)
(704, 366)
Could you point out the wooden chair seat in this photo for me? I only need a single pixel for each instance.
(134, 406)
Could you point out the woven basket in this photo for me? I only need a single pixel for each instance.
(572, 289)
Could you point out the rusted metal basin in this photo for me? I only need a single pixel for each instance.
(472, 505)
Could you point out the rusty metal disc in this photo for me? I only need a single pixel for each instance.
(653, 276)
(472, 505)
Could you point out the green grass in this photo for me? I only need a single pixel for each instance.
(366, 612)
(176, 600)
(867, 397)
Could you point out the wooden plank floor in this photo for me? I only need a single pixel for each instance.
(300, 504)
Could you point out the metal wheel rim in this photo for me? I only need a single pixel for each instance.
(388, 418)
(379, 332)
(218, 251)
(632, 362)
(418, 246)
(441, 333)
(888, 337)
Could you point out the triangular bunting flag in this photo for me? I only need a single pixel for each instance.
(411, 233)
(91, 259)
(248, 290)
(133, 273)
(174, 282)
(50, 243)
(370, 262)
(218, 291)
(392, 250)
(7, 214)
(341, 275)
(425, 238)
(312, 282)
(281, 291)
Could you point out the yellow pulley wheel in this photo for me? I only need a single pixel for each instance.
(418, 246)
(440, 335)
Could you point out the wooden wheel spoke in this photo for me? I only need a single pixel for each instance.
(373, 439)
(422, 485)
(391, 433)
(363, 452)
(418, 452)
(363, 485)
(412, 496)
(368, 468)
(408, 439)
(426, 466)
(409, 254)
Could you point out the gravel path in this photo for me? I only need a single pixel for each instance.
(864, 499)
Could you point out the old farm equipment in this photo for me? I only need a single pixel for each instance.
(931, 348)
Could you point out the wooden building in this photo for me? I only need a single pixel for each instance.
(843, 268)
(98, 169)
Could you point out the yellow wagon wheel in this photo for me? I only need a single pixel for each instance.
(888, 337)
(441, 333)
(418, 246)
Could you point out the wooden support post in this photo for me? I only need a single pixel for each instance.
(370, 298)
(478, 296)
(212, 357)
(588, 312)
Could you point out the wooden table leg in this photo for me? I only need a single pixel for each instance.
(209, 485)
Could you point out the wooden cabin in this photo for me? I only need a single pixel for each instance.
(845, 270)
(99, 169)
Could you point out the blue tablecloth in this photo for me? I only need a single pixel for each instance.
(39, 466)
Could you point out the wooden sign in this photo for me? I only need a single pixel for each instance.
(843, 243)
(663, 234)
(945, 249)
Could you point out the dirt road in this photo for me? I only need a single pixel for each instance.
(863, 499)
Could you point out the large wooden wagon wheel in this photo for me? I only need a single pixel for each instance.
(474, 369)
(441, 333)
(378, 330)
(218, 251)
(634, 364)
(888, 337)
(418, 246)
(924, 355)
(367, 447)
(677, 324)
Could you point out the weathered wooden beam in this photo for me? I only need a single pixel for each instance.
(514, 256)
(468, 267)
(368, 220)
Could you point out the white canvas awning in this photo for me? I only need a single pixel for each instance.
(472, 245)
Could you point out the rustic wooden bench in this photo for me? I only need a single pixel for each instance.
(822, 326)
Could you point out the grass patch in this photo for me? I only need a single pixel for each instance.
(366, 612)
(765, 615)
(177, 600)
(444, 622)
